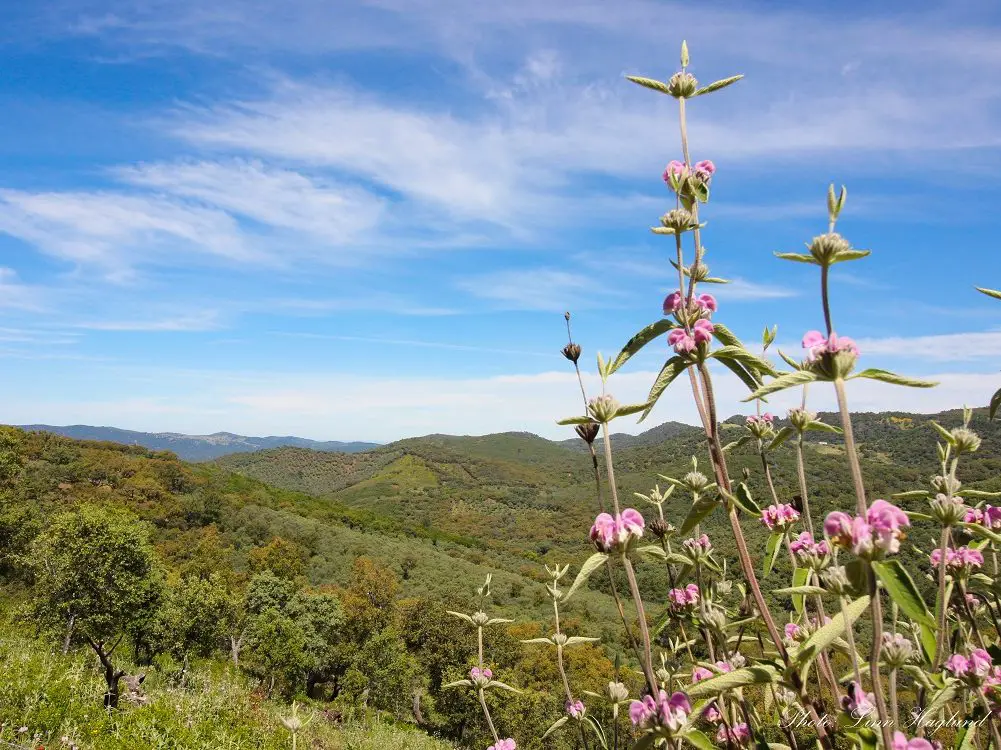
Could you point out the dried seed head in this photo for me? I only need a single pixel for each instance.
(827, 247)
(587, 432)
(678, 219)
(572, 352)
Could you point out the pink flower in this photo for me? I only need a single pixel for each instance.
(980, 663)
(702, 331)
(701, 673)
(507, 744)
(779, 517)
(681, 341)
(711, 713)
(575, 709)
(698, 547)
(992, 517)
(739, 735)
(809, 552)
(609, 533)
(706, 303)
(858, 703)
(668, 712)
(958, 664)
(675, 168)
(672, 303)
(974, 515)
(724, 667)
(705, 169)
(838, 526)
(887, 520)
(684, 599)
(792, 631)
(962, 560)
(900, 742)
(818, 346)
(476, 674)
(878, 533)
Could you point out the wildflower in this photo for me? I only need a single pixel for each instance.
(836, 580)
(698, 549)
(833, 357)
(962, 560)
(808, 552)
(949, 511)
(779, 517)
(705, 170)
(610, 533)
(572, 352)
(701, 673)
(793, 631)
(858, 703)
(617, 692)
(480, 677)
(900, 742)
(682, 84)
(670, 713)
(576, 709)
(724, 667)
(738, 734)
(603, 408)
(507, 744)
(675, 169)
(877, 534)
(706, 303)
(672, 303)
(684, 599)
(898, 650)
(974, 669)
(800, 418)
(682, 342)
(702, 331)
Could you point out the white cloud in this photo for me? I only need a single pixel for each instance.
(18, 296)
(205, 320)
(535, 289)
(743, 290)
(947, 347)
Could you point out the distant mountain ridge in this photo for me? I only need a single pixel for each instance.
(198, 447)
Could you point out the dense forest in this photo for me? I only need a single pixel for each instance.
(152, 602)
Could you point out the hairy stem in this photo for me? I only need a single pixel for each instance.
(874, 652)
(486, 714)
(801, 476)
(647, 662)
(941, 604)
(850, 449)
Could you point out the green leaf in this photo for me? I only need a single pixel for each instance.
(989, 292)
(590, 565)
(503, 686)
(742, 440)
(826, 635)
(652, 550)
(698, 511)
(717, 85)
(911, 495)
(461, 616)
(556, 725)
(742, 497)
(790, 361)
(650, 83)
(901, 588)
(966, 737)
(942, 432)
(995, 403)
(780, 437)
(772, 550)
(798, 257)
(575, 640)
(641, 339)
(748, 377)
(786, 380)
(459, 683)
(753, 675)
(695, 738)
(799, 579)
(939, 701)
(625, 411)
(823, 427)
(598, 730)
(845, 255)
(725, 336)
(980, 494)
(802, 590)
(891, 377)
(751, 361)
(575, 420)
(671, 369)
(979, 530)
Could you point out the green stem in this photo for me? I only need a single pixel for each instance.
(850, 450)
(647, 662)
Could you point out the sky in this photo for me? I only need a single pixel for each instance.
(365, 220)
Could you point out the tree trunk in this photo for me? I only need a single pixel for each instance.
(111, 675)
(69, 635)
(235, 644)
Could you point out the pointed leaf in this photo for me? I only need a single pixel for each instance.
(803, 590)
(750, 360)
(713, 686)
(578, 639)
(798, 257)
(502, 686)
(942, 432)
(742, 440)
(590, 565)
(652, 550)
(891, 377)
(625, 411)
(556, 725)
(671, 369)
(725, 336)
(780, 437)
(995, 403)
(823, 427)
(459, 683)
(641, 339)
(697, 739)
(772, 550)
(799, 579)
(845, 255)
(786, 380)
(575, 420)
(989, 292)
(717, 85)
(901, 588)
(748, 377)
(823, 637)
(650, 83)
(699, 511)
(461, 616)
(742, 497)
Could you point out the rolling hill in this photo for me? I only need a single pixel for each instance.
(195, 447)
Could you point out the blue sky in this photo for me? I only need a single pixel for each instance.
(364, 220)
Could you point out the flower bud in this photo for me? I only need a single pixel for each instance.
(827, 247)
(572, 352)
(682, 84)
(800, 418)
(560, 639)
(603, 408)
(480, 619)
(897, 650)
(587, 431)
(946, 485)
(678, 219)
(966, 440)
(695, 481)
(617, 692)
(948, 511)
(835, 579)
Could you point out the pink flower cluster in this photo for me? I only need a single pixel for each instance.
(476, 674)
(575, 709)
(703, 170)
(794, 632)
(976, 669)
(818, 346)
(738, 734)
(507, 744)
(675, 301)
(878, 533)
(698, 547)
(610, 533)
(670, 712)
(765, 419)
(685, 598)
(858, 703)
(807, 551)
(684, 343)
(960, 559)
(779, 517)
(990, 516)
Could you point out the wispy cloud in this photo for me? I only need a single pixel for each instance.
(206, 320)
(740, 289)
(542, 289)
